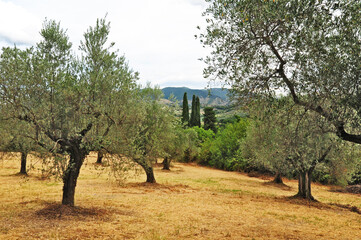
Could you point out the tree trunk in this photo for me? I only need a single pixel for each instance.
(23, 163)
(150, 175)
(166, 163)
(278, 178)
(148, 170)
(304, 185)
(71, 174)
(100, 157)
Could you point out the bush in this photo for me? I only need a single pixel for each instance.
(192, 142)
(223, 151)
(356, 175)
(322, 175)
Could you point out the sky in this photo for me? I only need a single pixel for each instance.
(156, 36)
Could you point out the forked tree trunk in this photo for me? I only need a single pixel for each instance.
(304, 185)
(23, 163)
(278, 178)
(166, 163)
(71, 174)
(100, 157)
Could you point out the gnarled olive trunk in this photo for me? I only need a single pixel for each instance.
(304, 185)
(166, 163)
(150, 175)
(148, 170)
(71, 174)
(100, 157)
(23, 163)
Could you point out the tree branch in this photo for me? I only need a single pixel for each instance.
(339, 125)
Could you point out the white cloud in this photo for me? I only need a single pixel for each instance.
(201, 3)
(156, 36)
(17, 24)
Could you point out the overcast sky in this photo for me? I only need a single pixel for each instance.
(156, 36)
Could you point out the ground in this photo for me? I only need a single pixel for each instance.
(189, 202)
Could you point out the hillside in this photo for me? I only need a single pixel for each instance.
(213, 97)
(189, 202)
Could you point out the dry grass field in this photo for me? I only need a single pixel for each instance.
(189, 202)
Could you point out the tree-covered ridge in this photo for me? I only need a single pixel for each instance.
(214, 96)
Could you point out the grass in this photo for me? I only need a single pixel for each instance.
(189, 202)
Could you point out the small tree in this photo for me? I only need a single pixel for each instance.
(284, 137)
(185, 110)
(209, 119)
(175, 144)
(14, 138)
(192, 145)
(147, 134)
(264, 145)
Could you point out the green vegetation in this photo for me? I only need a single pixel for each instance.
(224, 150)
(294, 68)
(209, 119)
(195, 119)
(263, 47)
(185, 110)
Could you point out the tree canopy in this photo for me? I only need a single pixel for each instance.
(70, 103)
(210, 119)
(308, 49)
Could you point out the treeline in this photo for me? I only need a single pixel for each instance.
(281, 139)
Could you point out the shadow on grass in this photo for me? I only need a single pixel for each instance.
(22, 175)
(30, 175)
(319, 205)
(173, 169)
(55, 210)
(157, 186)
(278, 185)
(353, 189)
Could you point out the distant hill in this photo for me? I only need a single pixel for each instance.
(212, 97)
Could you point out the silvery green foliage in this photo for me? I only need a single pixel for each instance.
(309, 49)
(60, 100)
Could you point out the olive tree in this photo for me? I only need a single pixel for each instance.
(264, 143)
(309, 49)
(14, 138)
(71, 103)
(147, 133)
(285, 137)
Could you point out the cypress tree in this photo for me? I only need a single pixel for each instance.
(185, 112)
(198, 113)
(209, 119)
(192, 122)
